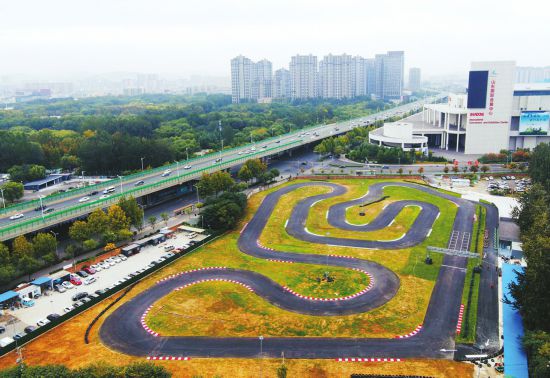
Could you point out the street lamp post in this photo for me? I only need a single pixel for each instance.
(41, 206)
(187, 153)
(120, 180)
(3, 200)
(178, 170)
(142, 163)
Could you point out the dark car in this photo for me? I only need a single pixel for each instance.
(139, 183)
(2, 329)
(100, 291)
(79, 296)
(94, 193)
(17, 336)
(29, 329)
(48, 210)
(52, 317)
(39, 208)
(82, 273)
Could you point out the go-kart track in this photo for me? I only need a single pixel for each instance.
(125, 331)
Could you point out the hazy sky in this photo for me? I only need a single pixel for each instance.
(185, 37)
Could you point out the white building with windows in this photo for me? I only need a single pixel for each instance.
(303, 77)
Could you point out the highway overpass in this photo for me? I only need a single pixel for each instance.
(67, 206)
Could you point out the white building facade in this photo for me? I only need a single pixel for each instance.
(303, 77)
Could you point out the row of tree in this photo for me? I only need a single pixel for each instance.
(96, 370)
(110, 136)
(530, 293)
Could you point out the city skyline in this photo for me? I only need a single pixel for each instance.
(63, 38)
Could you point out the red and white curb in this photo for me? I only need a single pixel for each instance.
(371, 284)
(281, 261)
(368, 359)
(190, 271)
(214, 280)
(264, 247)
(459, 324)
(416, 330)
(144, 324)
(342, 256)
(168, 358)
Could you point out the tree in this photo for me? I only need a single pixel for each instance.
(12, 191)
(446, 169)
(539, 166)
(117, 219)
(98, 222)
(214, 183)
(133, 211)
(400, 171)
(152, 221)
(281, 371)
(485, 168)
(80, 231)
(45, 244)
(24, 173)
(245, 173)
(165, 217)
(421, 171)
(22, 247)
(5, 257)
(473, 168)
(455, 169)
(145, 370)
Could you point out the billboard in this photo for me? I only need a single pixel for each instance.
(534, 123)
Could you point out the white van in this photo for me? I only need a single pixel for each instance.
(191, 235)
(168, 248)
(109, 190)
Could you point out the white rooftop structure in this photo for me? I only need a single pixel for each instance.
(398, 134)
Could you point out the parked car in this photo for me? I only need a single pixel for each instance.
(116, 259)
(86, 299)
(76, 281)
(2, 329)
(67, 309)
(17, 336)
(96, 267)
(89, 270)
(17, 216)
(122, 257)
(79, 296)
(104, 265)
(42, 322)
(29, 329)
(89, 280)
(82, 273)
(60, 288)
(67, 285)
(100, 291)
(52, 317)
(168, 248)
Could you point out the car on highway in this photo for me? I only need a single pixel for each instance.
(186, 167)
(67, 285)
(264, 146)
(39, 208)
(104, 196)
(17, 216)
(84, 199)
(218, 160)
(139, 183)
(48, 210)
(166, 173)
(95, 192)
(79, 296)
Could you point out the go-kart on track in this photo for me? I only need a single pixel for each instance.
(123, 329)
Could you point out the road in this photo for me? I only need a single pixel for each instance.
(123, 330)
(69, 204)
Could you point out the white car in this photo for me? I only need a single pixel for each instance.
(67, 309)
(122, 257)
(84, 199)
(117, 259)
(67, 285)
(109, 261)
(241, 152)
(17, 216)
(166, 173)
(187, 167)
(253, 148)
(104, 265)
(89, 280)
(96, 267)
(42, 322)
(104, 196)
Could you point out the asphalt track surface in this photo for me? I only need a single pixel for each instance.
(123, 331)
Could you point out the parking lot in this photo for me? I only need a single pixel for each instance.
(503, 185)
(53, 302)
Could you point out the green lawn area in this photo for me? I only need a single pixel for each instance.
(468, 332)
(224, 309)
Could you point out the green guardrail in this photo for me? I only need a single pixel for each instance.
(80, 209)
(80, 191)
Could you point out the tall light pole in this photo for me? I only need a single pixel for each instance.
(3, 200)
(120, 180)
(187, 153)
(41, 206)
(221, 136)
(142, 163)
(178, 170)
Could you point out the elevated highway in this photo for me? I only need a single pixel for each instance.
(67, 206)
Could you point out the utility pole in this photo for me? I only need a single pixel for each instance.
(142, 163)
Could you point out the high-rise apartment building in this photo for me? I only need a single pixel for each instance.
(249, 80)
(241, 68)
(303, 76)
(414, 79)
(389, 75)
(359, 76)
(281, 83)
(261, 77)
(371, 76)
(336, 77)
